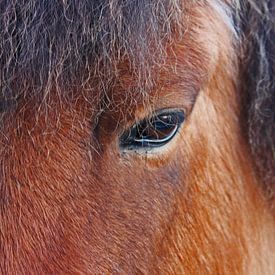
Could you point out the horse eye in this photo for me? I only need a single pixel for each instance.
(153, 132)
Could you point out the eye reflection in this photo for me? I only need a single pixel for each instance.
(153, 132)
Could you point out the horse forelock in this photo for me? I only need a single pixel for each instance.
(65, 44)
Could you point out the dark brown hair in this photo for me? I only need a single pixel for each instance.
(257, 29)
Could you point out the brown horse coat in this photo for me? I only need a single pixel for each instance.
(75, 75)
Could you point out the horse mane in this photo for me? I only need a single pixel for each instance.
(46, 44)
(257, 28)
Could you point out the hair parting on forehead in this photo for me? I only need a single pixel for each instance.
(63, 44)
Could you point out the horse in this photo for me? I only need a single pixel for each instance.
(137, 137)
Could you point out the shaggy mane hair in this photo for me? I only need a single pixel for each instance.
(45, 44)
(257, 27)
(66, 43)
